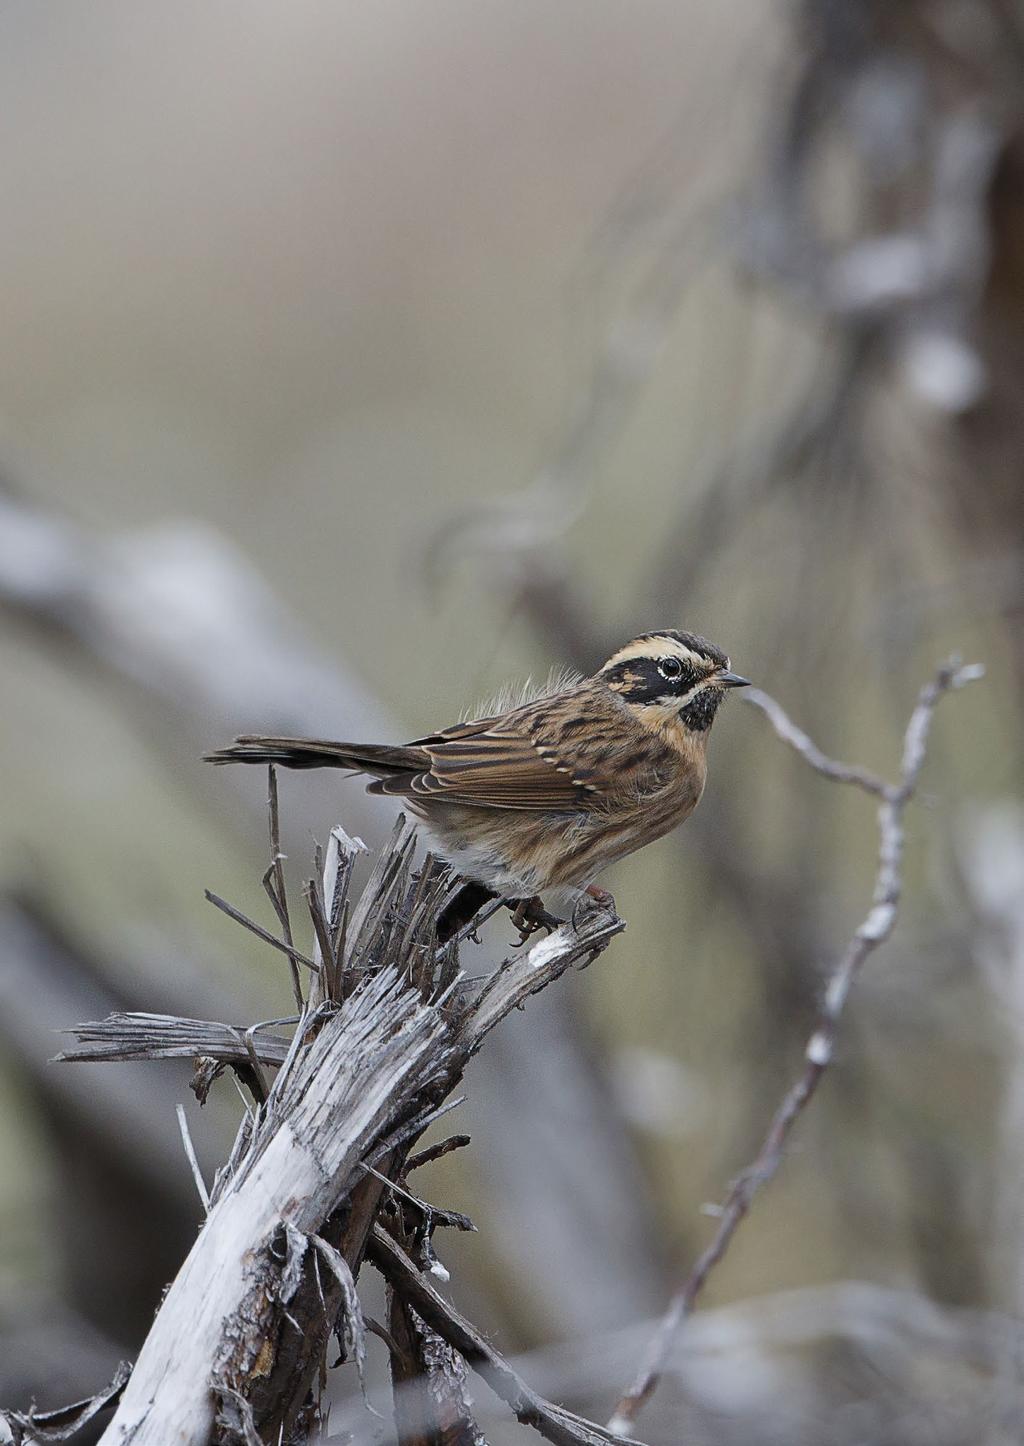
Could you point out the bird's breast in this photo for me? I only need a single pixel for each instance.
(644, 781)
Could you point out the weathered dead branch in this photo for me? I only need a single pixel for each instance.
(383, 1037)
(167, 1036)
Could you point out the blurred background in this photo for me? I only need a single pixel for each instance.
(357, 358)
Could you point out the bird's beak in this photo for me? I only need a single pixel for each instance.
(732, 680)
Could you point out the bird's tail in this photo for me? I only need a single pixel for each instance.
(378, 759)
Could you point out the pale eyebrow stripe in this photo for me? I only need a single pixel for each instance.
(667, 647)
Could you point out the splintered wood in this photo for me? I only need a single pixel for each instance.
(386, 1027)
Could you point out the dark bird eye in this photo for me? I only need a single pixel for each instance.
(670, 668)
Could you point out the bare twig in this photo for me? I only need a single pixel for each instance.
(190, 1153)
(510, 985)
(435, 1152)
(325, 947)
(798, 740)
(273, 881)
(259, 931)
(554, 1423)
(431, 1215)
(874, 930)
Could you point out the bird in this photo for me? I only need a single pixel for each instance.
(540, 796)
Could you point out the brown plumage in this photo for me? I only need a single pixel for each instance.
(545, 795)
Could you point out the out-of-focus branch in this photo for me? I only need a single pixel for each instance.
(874, 930)
(773, 1344)
(185, 626)
(992, 861)
(914, 269)
(809, 751)
(518, 538)
(46, 1428)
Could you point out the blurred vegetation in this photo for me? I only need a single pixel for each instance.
(490, 335)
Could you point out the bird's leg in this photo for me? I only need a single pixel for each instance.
(529, 915)
(461, 909)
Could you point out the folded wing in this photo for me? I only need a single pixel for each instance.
(491, 763)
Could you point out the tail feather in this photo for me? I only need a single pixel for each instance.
(378, 759)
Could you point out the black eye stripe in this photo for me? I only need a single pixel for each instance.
(641, 680)
(670, 668)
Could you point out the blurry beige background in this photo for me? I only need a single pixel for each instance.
(444, 319)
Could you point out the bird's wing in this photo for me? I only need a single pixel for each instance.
(492, 763)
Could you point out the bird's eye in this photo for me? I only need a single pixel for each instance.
(670, 668)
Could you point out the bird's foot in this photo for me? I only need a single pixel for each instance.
(590, 896)
(529, 915)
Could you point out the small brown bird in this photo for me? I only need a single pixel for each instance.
(544, 795)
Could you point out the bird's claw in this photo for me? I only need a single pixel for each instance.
(529, 916)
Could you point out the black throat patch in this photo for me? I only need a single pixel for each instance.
(700, 714)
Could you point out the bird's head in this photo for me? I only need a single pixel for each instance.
(669, 675)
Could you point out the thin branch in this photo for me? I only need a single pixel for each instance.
(190, 1153)
(432, 1215)
(429, 1378)
(798, 740)
(252, 1073)
(259, 930)
(875, 929)
(276, 890)
(325, 944)
(554, 1423)
(578, 942)
(435, 1152)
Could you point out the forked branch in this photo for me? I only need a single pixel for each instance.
(875, 929)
